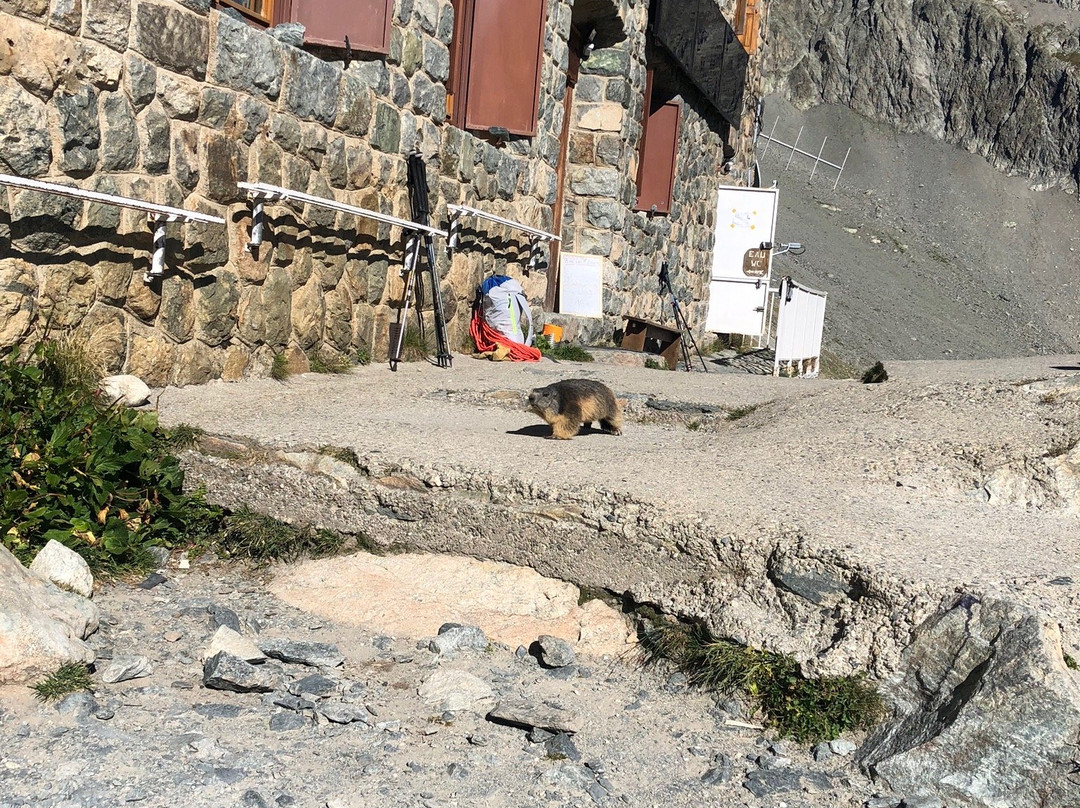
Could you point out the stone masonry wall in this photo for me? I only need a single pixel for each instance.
(174, 103)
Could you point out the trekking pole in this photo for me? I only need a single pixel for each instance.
(397, 330)
(418, 194)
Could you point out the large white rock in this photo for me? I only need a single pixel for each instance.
(131, 391)
(457, 690)
(64, 567)
(41, 626)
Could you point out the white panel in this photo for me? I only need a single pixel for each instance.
(745, 217)
(581, 285)
(737, 307)
(800, 325)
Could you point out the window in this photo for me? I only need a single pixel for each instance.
(495, 64)
(366, 23)
(260, 10)
(659, 150)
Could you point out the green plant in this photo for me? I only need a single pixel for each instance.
(415, 346)
(1070, 663)
(69, 678)
(875, 375)
(248, 534)
(101, 480)
(807, 710)
(321, 362)
(279, 367)
(653, 364)
(340, 453)
(694, 425)
(363, 355)
(182, 436)
(735, 413)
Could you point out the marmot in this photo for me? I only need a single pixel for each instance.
(568, 404)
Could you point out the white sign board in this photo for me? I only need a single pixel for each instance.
(737, 307)
(581, 285)
(745, 219)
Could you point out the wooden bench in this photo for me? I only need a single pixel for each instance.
(650, 337)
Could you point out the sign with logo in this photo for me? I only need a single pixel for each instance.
(756, 263)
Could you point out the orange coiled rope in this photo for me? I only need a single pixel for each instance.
(487, 339)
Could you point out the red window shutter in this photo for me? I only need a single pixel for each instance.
(503, 83)
(656, 172)
(327, 22)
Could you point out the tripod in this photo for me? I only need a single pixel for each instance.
(680, 321)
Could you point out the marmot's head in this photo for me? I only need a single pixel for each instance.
(544, 399)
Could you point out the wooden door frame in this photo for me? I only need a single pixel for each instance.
(555, 253)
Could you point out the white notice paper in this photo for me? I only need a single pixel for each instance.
(581, 285)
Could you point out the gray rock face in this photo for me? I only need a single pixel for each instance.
(247, 60)
(79, 130)
(453, 638)
(24, 141)
(172, 38)
(992, 712)
(43, 626)
(969, 73)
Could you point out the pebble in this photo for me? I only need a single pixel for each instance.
(842, 747)
(554, 652)
(121, 669)
(286, 721)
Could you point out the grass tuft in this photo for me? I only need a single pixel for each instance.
(563, 351)
(735, 413)
(279, 368)
(808, 710)
(340, 453)
(69, 678)
(875, 375)
(247, 534)
(653, 364)
(321, 362)
(182, 436)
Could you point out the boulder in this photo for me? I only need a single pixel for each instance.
(64, 567)
(453, 691)
(41, 626)
(987, 711)
(131, 391)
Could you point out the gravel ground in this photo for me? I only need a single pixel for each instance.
(166, 740)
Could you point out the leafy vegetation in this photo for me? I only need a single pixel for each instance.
(652, 364)
(808, 710)
(98, 479)
(69, 678)
(363, 355)
(562, 351)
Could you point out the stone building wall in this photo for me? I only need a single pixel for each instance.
(174, 103)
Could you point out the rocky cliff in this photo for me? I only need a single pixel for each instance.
(998, 77)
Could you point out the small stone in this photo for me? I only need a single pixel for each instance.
(104, 713)
(341, 713)
(521, 713)
(312, 654)
(562, 746)
(253, 799)
(475, 739)
(451, 690)
(554, 652)
(152, 580)
(842, 747)
(160, 555)
(720, 772)
(316, 685)
(287, 721)
(226, 672)
(453, 637)
(126, 390)
(124, 668)
(762, 783)
(80, 705)
(217, 710)
(822, 752)
(171, 636)
(232, 642)
(223, 616)
(291, 702)
(883, 801)
(922, 801)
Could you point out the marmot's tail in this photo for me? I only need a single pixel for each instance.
(488, 339)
